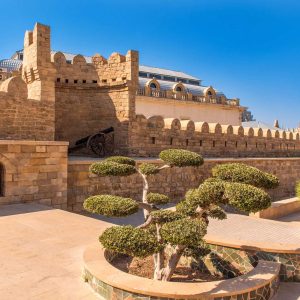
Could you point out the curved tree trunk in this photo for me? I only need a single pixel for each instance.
(168, 271)
(145, 192)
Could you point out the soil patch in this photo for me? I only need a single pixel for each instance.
(144, 267)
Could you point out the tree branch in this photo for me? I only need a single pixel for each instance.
(164, 167)
(147, 206)
(147, 223)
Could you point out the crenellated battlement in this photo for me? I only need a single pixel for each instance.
(150, 136)
(100, 72)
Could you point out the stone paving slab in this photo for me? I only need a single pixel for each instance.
(42, 248)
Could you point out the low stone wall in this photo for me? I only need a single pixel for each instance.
(111, 283)
(231, 262)
(173, 182)
(34, 172)
(279, 209)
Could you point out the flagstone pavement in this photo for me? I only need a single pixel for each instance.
(41, 248)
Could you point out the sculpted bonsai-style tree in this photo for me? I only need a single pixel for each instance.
(167, 234)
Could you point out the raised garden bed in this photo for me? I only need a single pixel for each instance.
(111, 283)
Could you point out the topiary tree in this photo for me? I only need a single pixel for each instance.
(298, 189)
(182, 229)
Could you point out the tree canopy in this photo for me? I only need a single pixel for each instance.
(184, 228)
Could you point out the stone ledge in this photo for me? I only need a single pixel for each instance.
(279, 209)
(34, 143)
(108, 280)
(75, 160)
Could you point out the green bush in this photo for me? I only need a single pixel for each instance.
(157, 198)
(110, 168)
(148, 169)
(110, 205)
(186, 209)
(208, 192)
(298, 189)
(130, 240)
(238, 172)
(246, 197)
(185, 231)
(121, 160)
(216, 212)
(181, 158)
(164, 216)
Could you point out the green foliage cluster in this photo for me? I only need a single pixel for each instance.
(181, 158)
(156, 198)
(110, 205)
(121, 160)
(246, 197)
(208, 192)
(298, 189)
(111, 168)
(130, 240)
(235, 184)
(238, 172)
(148, 169)
(216, 212)
(186, 209)
(164, 216)
(184, 231)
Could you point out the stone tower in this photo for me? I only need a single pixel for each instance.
(38, 71)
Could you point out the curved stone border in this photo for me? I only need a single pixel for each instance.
(111, 283)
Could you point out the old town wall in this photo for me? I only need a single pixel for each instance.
(173, 182)
(148, 137)
(33, 172)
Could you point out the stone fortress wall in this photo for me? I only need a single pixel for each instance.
(57, 99)
(150, 136)
(54, 99)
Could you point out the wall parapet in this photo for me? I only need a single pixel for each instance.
(152, 135)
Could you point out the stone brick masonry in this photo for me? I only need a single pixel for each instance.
(34, 172)
(173, 182)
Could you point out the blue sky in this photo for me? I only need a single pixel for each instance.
(247, 49)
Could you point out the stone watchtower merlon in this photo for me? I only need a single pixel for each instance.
(38, 71)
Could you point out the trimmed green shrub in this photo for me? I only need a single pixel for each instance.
(110, 205)
(164, 216)
(110, 168)
(148, 169)
(130, 240)
(186, 209)
(208, 192)
(185, 231)
(216, 212)
(246, 197)
(298, 189)
(197, 251)
(181, 158)
(238, 172)
(121, 160)
(157, 198)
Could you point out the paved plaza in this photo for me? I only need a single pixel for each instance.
(41, 249)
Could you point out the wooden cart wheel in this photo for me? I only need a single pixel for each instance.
(96, 143)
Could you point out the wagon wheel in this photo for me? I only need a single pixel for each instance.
(109, 144)
(96, 143)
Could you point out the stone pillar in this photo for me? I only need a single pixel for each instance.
(38, 71)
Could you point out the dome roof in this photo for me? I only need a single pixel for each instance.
(10, 64)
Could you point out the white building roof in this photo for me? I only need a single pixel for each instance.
(166, 72)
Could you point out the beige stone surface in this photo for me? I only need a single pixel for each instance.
(280, 209)
(173, 182)
(42, 248)
(96, 264)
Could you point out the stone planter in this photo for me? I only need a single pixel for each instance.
(111, 283)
